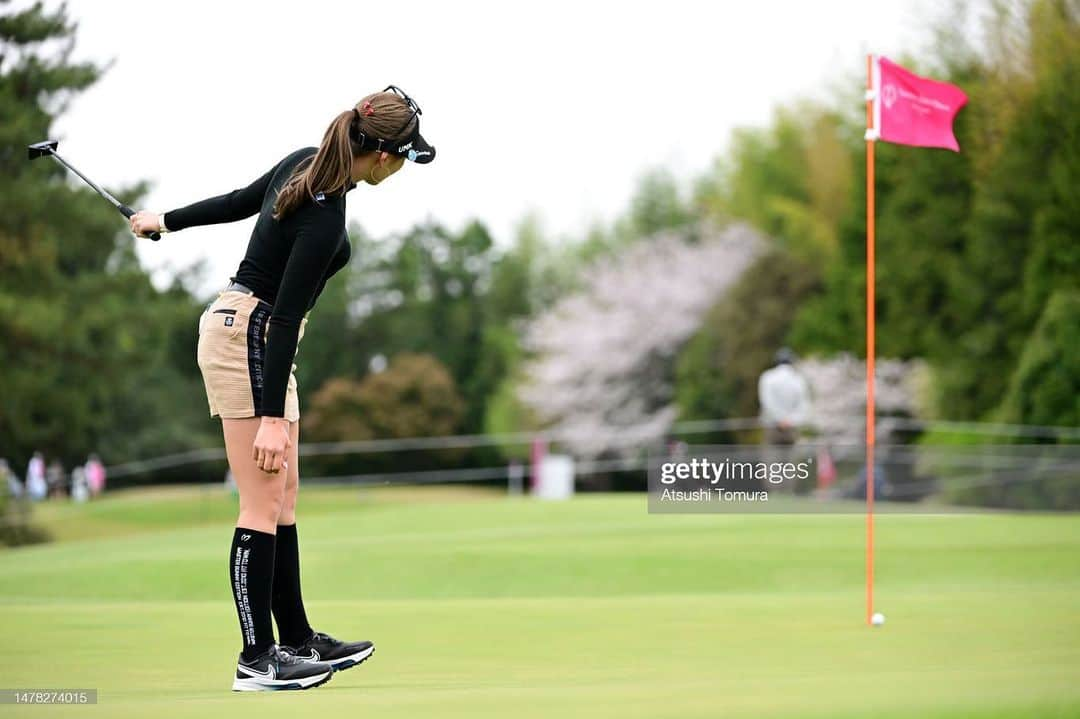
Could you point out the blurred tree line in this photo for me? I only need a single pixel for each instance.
(978, 256)
(413, 338)
(93, 357)
(978, 269)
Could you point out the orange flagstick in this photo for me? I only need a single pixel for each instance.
(870, 331)
(918, 112)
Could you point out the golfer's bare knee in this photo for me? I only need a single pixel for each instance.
(261, 503)
(288, 508)
(273, 506)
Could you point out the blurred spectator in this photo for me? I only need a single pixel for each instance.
(826, 470)
(10, 479)
(80, 492)
(36, 487)
(882, 488)
(784, 396)
(55, 479)
(95, 475)
(677, 449)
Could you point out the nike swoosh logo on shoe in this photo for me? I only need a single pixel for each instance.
(268, 674)
(314, 657)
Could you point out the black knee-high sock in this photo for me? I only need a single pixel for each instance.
(251, 574)
(292, 622)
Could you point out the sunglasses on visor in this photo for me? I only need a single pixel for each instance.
(413, 147)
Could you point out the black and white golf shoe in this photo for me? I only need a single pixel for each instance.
(338, 654)
(277, 669)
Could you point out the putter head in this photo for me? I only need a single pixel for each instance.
(38, 149)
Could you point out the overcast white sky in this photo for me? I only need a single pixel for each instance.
(555, 107)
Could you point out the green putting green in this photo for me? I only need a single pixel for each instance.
(482, 606)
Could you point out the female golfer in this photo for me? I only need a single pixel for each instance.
(247, 341)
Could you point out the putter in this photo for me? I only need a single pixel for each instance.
(48, 147)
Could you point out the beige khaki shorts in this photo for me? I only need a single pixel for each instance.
(232, 350)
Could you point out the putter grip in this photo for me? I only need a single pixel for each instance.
(128, 212)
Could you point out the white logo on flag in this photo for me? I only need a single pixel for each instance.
(889, 95)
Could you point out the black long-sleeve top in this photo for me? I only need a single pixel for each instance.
(287, 262)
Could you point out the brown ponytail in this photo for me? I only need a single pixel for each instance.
(330, 170)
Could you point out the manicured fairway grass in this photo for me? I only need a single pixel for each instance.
(486, 607)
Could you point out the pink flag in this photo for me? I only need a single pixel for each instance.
(914, 110)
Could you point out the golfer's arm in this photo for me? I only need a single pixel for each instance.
(230, 207)
(316, 243)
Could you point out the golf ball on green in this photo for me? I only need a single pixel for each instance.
(878, 619)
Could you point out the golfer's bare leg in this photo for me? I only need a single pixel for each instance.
(292, 476)
(262, 494)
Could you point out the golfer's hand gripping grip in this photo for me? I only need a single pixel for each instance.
(128, 212)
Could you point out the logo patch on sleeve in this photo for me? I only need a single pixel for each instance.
(229, 321)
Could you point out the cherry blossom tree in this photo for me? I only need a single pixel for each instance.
(838, 387)
(602, 367)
